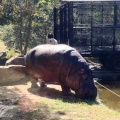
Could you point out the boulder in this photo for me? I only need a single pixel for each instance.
(13, 74)
(3, 54)
(3, 61)
(16, 60)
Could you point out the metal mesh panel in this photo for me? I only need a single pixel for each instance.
(82, 36)
(117, 36)
(103, 14)
(118, 15)
(92, 24)
(102, 36)
(81, 15)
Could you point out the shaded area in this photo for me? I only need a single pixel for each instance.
(54, 92)
(13, 113)
(10, 112)
(13, 105)
(3, 61)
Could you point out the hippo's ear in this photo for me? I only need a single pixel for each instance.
(81, 72)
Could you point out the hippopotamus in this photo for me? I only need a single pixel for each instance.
(64, 65)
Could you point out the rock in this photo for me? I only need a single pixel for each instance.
(13, 74)
(3, 54)
(3, 61)
(17, 60)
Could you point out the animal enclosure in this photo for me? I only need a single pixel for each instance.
(93, 27)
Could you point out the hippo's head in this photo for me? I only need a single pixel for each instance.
(87, 90)
(81, 81)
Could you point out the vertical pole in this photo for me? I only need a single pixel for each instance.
(61, 25)
(102, 30)
(65, 24)
(55, 22)
(70, 23)
(115, 23)
(91, 27)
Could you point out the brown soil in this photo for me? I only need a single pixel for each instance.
(25, 90)
(25, 99)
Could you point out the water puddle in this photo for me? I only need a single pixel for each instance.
(111, 97)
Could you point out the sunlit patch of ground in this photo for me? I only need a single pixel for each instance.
(52, 105)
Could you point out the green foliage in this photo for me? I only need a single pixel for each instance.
(6, 12)
(10, 36)
(11, 53)
(31, 22)
(44, 13)
(7, 35)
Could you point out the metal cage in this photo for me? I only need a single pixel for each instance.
(90, 26)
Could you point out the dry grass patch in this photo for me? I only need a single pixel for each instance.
(2, 46)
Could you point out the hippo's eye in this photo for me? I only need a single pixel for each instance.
(81, 71)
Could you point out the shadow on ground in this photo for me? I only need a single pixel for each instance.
(54, 92)
(15, 106)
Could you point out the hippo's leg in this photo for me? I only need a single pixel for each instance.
(42, 83)
(65, 89)
(33, 82)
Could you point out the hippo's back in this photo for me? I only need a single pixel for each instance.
(44, 61)
(51, 49)
(47, 50)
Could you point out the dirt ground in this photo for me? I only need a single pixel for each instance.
(26, 98)
(25, 90)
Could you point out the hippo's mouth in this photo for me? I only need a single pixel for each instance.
(86, 93)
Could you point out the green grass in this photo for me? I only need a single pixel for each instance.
(73, 110)
(70, 108)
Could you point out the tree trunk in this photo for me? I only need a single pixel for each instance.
(28, 33)
(20, 33)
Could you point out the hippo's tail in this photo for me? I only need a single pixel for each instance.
(30, 57)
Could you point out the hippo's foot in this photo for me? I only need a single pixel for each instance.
(65, 90)
(66, 93)
(43, 85)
